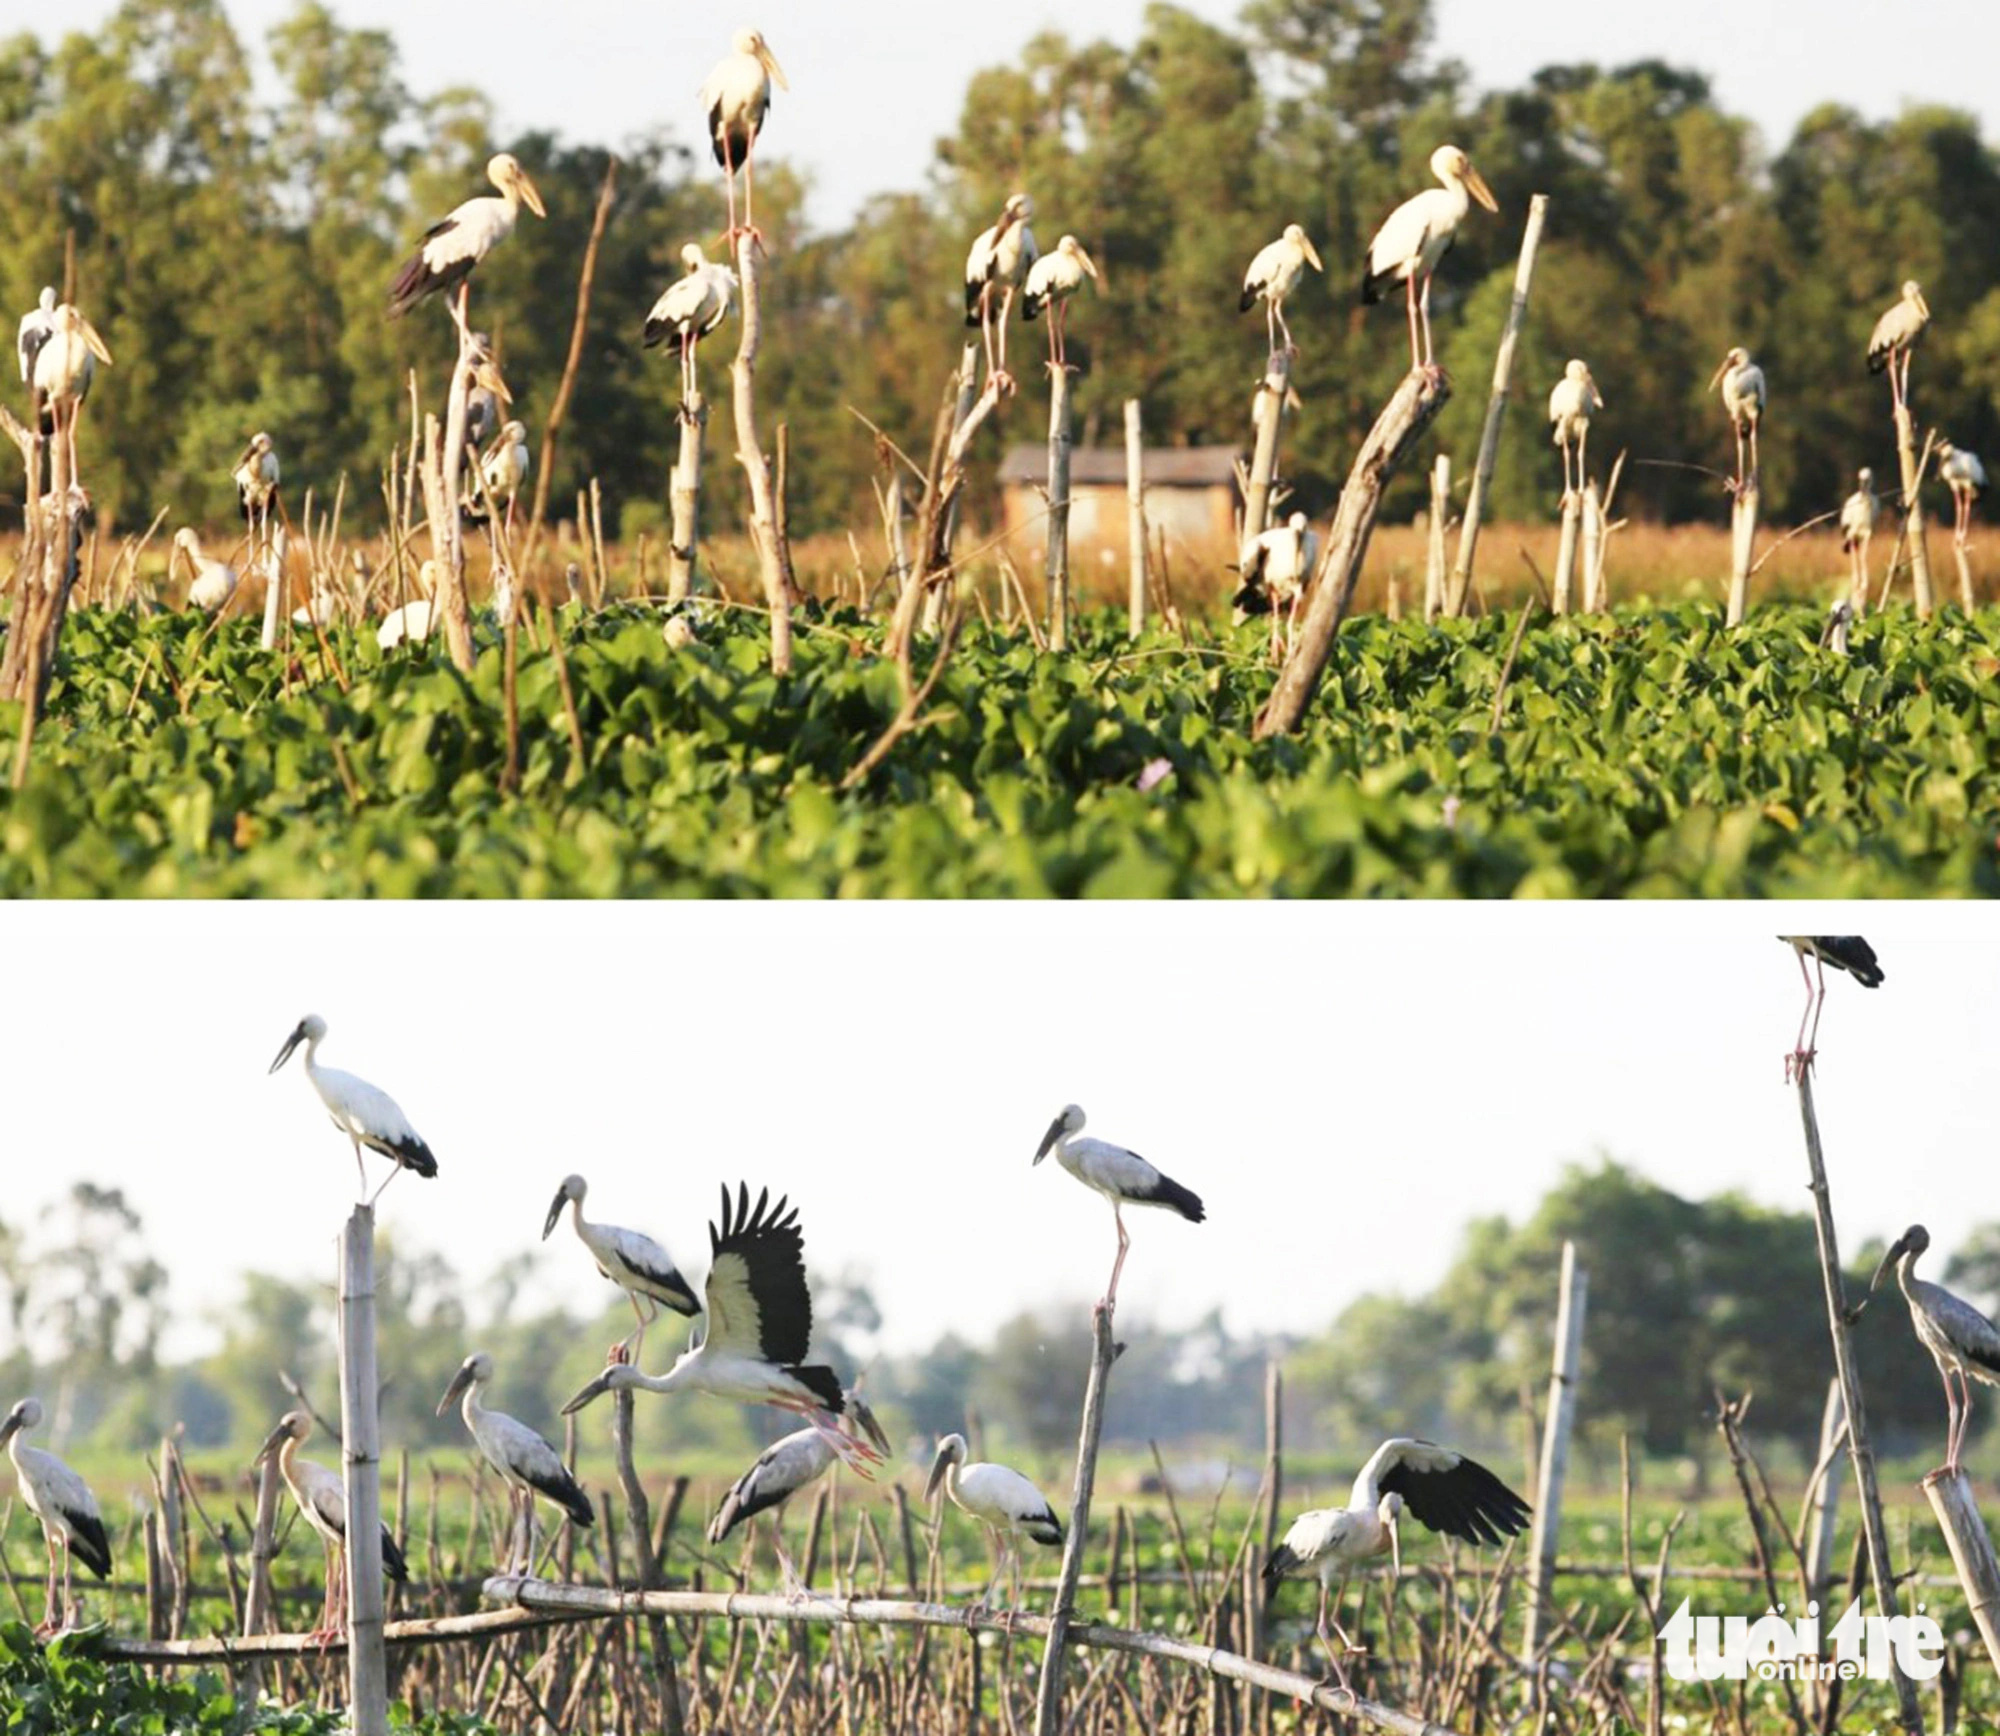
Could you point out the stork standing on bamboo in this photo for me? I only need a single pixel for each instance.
(737, 96)
(1571, 405)
(1846, 952)
(65, 364)
(1857, 526)
(1962, 1341)
(995, 269)
(1002, 1500)
(1416, 236)
(62, 1501)
(1894, 341)
(688, 310)
(1052, 280)
(367, 1114)
(452, 248)
(322, 1503)
(1965, 476)
(1742, 385)
(636, 1263)
(1123, 1177)
(1274, 273)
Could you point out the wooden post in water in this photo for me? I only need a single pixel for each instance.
(1135, 518)
(1742, 550)
(1056, 564)
(1950, 1496)
(1565, 581)
(1434, 555)
(1571, 1296)
(360, 1468)
(1913, 512)
(1268, 413)
(1823, 1515)
(1496, 404)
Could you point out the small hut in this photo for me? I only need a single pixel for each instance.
(1191, 494)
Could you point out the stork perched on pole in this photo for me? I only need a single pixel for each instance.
(62, 1501)
(527, 1464)
(1857, 526)
(1442, 1489)
(1274, 273)
(1965, 476)
(1571, 405)
(997, 265)
(367, 1115)
(1274, 570)
(322, 1503)
(1416, 236)
(759, 1329)
(1848, 952)
(782, 1469)
(737, 96)
(688, 310)
(65, 365)
(1895, 339)
(1961, 1340)
(1052, 280)
(1742, 384)
(452, 248)
(636, 1263)
(211, 582)
(1123, 1177)
(256, 478)
(1003, 1501)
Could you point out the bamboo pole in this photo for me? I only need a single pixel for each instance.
(1594, 539)
(1913, 512)
(1135, 519)
(1742, 550)
(1268, 415)
(1434, 555)
(1573, 1293)
(1418, 399)
(1823, 1509)
(1565, 579)
(1962, 556)
(367, 1662)
(1259, 1634)
(1056, 558)
(684, 499)
(750, 454)
(1048, 1701)
(1860, 1454)
(1950, 1496)
(579, 326)
(638, 1512)
(1496, 404)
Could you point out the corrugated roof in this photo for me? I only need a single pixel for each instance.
(1104, 466)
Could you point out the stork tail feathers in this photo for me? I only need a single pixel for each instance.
(89, 1544)
(1246, 301)
(393, 1563)
(1281, 1562)
(1375, 285)
(1046, 1529)
(1183, 1200)
(564, 1490)
(824, 1384)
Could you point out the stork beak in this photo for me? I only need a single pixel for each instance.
(1312, 254)
(1895, 1252)
(272, 1442)
(590, 1394)
(529, 197)
(555, 1213)
(1084, 260)
(1475, 184)
(769, 62)
(298, 1036)
(487, 375)
(1923, 306)
(1719, 372)
(459, 1382)
(935, 1480)
(1049, 1139)
(857, 1408)
(1395, 1550)
(9, 1427)
(96, 343)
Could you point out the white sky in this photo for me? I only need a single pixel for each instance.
(1344, 1085)
(874, 83)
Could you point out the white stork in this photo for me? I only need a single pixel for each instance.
(452, 248)
(211, 582)
(65, 364)
(637, 1264)
(737, 96)
(1961, 1340)
(782, 1469)
(527, 1464)
(998, 263)
(1274, 273)
(1052, 280)
(1002, 1500)
(38, 325)
(1571, 405)
(1895, 339)
(1965, 476)
(689, 309)
(1848, 952)
(1857, 525)
(1742, 383)
(1416, 235)
(503, 471)
(759, 1328)
(1274, 569)
(322, 1503)
(1123, 1177)
(256, 478)
(414, 619)
(62, 1501)
(1444, 1490)
(367, 1115)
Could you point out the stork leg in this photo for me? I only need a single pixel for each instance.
(729, 183)
(1006, 307)
(1819, 1006)
(1424, 309)
(1271, 322)
(51, 1614)
(1583, 458)
(1326, 1643)
(1801, 1056)
(637, 1341)
(1410, 298)
(1118, 1217)
(395, 1169)
(750, 191)
(1277, 307)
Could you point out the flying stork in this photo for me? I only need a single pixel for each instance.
(213, 582)
(65, 364)
(61, 1500)
(998, 264)
(1419, 233)
(1052, 280)
(366, 1114)
(1571, 405)
(1123, 1177)
(1848, 952)
(1965, 476)
(1274, 571)
(1274, 273)
(527, 1464)
(452, 248)
(1742, 383)
(1895, 339)
(322, 1503)
(1961, 1340)
(1002, 1500)
(759, 1329)
(737, 96)
(689, 309)
(1443, 1489)
(782, 1469)
(1857, 525)
(637, 1264)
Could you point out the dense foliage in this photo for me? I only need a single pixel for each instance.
(236, 253)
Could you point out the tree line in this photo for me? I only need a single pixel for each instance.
(236, 254)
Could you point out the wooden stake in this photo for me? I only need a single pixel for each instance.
(1572, 520)
(1056, 561)
(1434, 555)
(1496, 404)
(1593, 549)
(1742, 549)
(1274, 1493)
(1950, 1496)
(1135, 519)
(579, 325)
(1823, 1509)
(1268, 413)
(684, 499)
(1960, 554)
(1572, 1294)
(367, 1660)
(750, 454)
(1913, 512)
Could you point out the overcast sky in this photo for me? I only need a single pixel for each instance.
(873, 85)
(1346, 1086)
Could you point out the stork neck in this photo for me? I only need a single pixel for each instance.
(1906, 1276)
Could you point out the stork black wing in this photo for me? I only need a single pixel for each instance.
(87, 1541)
(1467, 1501)
(757, 1276)
(1849, 952)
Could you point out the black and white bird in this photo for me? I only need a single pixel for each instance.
(527, 1464)
(322, 1503)
(1742, 384)
(62, 1501)
(366, 1114)
(1965, 476)
(1962, 1341)
(1274, 273)
(256, 478)
(782, 1469)
(1442, 1489)
(1416, 236)
(737, 96)
(1274, 570)
(452, 248)
(503, 471)
(636, 1263)
(417, 619)
(1052, 280)
(996, 266)
(65, 365)
(759, 1328)
(1848, 952)
(1571, 405)
(485, 398)
(38, 325)
(211, 583)
(1123, 1177)
(1002, 1500)
(690, 308)
(1857, 526)
(1895, 339)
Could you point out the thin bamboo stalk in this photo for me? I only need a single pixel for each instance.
(1048, 1703)
(1742, 551)
(1565, 579)
(1913, 512)
(1951, 1499)
(1434, 553)
(1572, 1295)
(1056, 559)
(367, 1663)
(750, 454)
(1135, 519)
(1268, 413)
